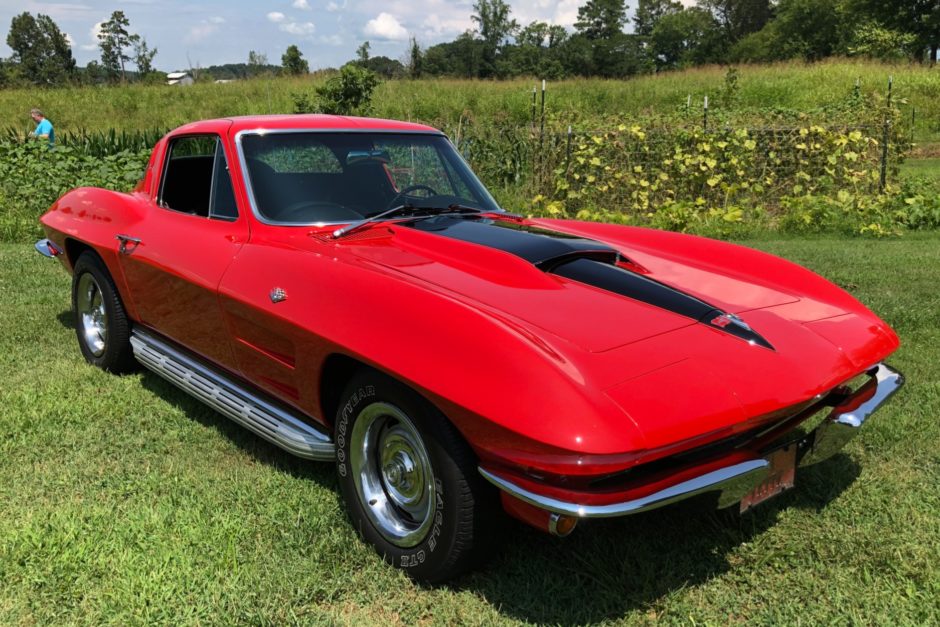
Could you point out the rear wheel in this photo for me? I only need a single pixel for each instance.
(101, 323)
(408, 479)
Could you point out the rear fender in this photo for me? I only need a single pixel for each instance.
(90, 218)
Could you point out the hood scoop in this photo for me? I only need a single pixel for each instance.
(589, 262)
(542, 248)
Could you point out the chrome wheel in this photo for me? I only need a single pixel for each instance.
(392, 474)
(92, 316)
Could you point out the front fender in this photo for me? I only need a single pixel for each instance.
(504, 386)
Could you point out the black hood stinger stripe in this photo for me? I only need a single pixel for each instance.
(585, 261)
(620, 281)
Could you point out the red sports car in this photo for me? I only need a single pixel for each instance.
(347, 289)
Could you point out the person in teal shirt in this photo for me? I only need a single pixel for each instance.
(44, 128)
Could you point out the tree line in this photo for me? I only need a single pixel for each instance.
(42, 54)
(664, 35)
(667, 35)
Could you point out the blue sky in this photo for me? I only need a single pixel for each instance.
(223, 31)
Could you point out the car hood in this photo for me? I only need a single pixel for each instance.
(717, 333)
(530, 273)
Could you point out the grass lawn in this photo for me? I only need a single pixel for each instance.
(123, 501)
(922, 167)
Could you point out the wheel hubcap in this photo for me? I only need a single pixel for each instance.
(393, 475)
(92, 316)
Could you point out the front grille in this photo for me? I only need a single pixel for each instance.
(773, 431)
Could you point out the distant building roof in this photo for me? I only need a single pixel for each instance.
(176, 75)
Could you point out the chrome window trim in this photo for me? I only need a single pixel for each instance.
(219, 144)
(243, 165)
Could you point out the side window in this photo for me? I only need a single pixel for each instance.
(196, 178)
(222, 202)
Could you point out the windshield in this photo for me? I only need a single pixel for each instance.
(313, 177)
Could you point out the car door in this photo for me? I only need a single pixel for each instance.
(175, 259)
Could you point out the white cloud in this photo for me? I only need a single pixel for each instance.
(93, 34)
(217, 20)
(298, 28)
(291, 26)
(334, 6)
(332, 40)
(69, 40)
(435, 27)
(303, 5)
(201, 32)
(386, 26)
(566, 12)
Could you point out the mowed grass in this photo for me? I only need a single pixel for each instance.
(122, 501)
(929, 167)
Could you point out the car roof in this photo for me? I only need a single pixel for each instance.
(301, 121)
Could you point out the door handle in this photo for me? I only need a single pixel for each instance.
(125, 240)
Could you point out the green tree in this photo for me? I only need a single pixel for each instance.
(384, 67)
(414, 59)
(114, 40)
(601, 19)
(257, 63)
(686, 37)
(648, 13)
(293, 61)
(462, 57)
(533, 35)
(920, 18)
(740, 17)
(495, 26)
(809, 28)
(348, 93)
(362, 52)
(143, 56)
(93, 73)
(40, 49)
(870, 39)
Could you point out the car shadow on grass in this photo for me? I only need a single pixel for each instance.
(259, 448)
(607, 567)
(610, 567)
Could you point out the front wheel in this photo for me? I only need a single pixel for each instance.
(408, 479)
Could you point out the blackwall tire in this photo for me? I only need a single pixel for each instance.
(409, 481)
(101, 323)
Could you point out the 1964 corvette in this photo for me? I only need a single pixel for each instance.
(347, 289)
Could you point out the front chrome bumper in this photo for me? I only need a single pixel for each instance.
(733, 482)
(47, 248)
(847, 418)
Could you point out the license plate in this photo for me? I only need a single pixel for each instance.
(780, 479)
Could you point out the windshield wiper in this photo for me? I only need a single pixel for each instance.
(403, 210)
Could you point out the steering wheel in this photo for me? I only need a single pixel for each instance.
(408, 190)
(321, 210)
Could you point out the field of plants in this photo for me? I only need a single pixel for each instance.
(790, 147)
(796, 88)
(785, 147)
